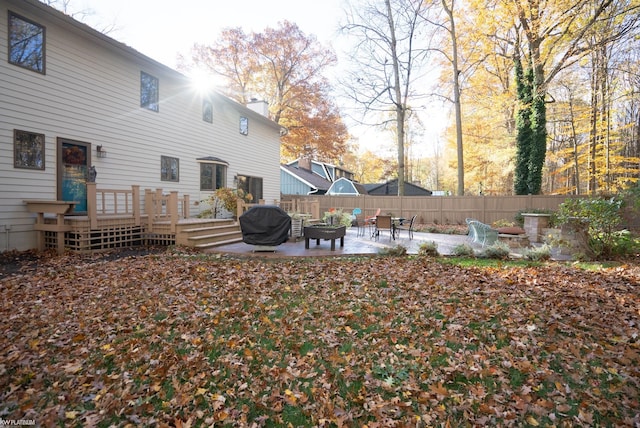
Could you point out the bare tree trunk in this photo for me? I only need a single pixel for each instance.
(456, 94)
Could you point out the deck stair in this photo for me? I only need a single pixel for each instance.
(207, 233)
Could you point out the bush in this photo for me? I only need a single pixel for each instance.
(463, 250)
(428, 249)
(397, 251)
(603, 216)
(499, 250)
(538, 254)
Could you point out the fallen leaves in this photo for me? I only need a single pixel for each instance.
(176, 340)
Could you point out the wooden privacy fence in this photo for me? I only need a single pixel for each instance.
(440, 209)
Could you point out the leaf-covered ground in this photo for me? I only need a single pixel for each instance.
(183, 340)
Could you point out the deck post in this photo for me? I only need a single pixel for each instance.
(148, 208)
(92, 205)
(135, 203)
(172, 209)
(185, 206)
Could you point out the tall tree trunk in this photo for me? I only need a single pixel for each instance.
(456, 94)
(400, 107)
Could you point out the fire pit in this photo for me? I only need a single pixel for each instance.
(326, 232)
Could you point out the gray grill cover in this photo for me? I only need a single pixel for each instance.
(265, 225)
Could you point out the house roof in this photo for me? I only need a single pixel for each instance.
(308, 177)
(344, 186)
(87, 32)
(391, 188)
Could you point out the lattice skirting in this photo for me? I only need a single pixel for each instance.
(111, 233)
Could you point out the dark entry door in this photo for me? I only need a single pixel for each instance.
(74, 158)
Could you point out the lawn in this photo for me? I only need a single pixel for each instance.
(178, 339)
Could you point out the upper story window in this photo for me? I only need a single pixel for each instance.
(244, 125)
(149, 91)
(207, 110)
(26, 43)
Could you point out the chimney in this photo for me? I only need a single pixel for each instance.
(304, 163)
(261, 107)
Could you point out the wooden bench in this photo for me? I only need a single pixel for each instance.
(480, 233)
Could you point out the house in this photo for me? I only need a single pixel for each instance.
(391, 188)
(78, 105)
(305, 176)
(344, 186)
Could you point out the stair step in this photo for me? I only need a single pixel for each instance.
(218, 243)
(214, 236)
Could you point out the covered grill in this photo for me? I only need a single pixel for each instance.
(265, 225)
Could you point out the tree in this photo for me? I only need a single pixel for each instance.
(555, 35)
(387, 59)
(284, 67)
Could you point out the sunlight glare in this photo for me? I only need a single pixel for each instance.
(203, 82)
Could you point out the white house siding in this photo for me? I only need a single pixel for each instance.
(91, 93)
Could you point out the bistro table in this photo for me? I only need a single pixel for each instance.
(326, 232)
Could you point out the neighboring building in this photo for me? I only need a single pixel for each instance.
(344, 186)
(72, 97)
(308, 177)
(391, 188)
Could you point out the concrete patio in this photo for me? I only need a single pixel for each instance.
(353, 245)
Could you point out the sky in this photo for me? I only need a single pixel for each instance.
(162, 29)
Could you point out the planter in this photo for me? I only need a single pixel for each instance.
(534, 223)
(296, 228)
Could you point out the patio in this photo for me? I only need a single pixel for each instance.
(353, 245)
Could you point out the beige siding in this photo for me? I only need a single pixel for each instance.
(91, 93)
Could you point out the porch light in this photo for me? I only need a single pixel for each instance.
(102, 153)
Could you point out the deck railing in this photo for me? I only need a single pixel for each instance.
(158, 206)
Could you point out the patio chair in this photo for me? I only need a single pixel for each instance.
(360, 224)
(371, 220)
(407, 227)
(384, 223)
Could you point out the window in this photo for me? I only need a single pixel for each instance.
(244, 125)
(251, 185)
(207, 111)
(149, 91)
(26, 43)
(169, 168)
(28, 150)
(212, 176)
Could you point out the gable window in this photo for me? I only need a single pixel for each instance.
(244, 125)
(149, 91)
(169, 168)
(28, 150)
(207, 111)
(26, 43)
(213, 173)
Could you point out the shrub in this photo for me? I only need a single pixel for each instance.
(463, 250)
(499, 250)
(397, 251)
(538, 254)
(428, 249)
(603, 216)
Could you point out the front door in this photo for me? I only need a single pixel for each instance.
(74, 158)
